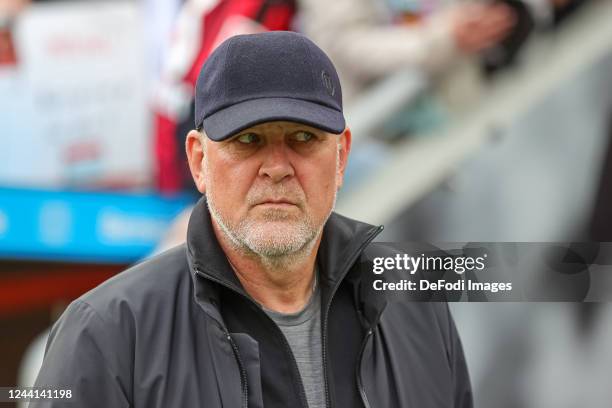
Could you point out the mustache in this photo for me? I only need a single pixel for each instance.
(283, 192)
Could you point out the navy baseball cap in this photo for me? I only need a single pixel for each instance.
(272, 76)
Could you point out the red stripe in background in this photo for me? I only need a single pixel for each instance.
(29, 291)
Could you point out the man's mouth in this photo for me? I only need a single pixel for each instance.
(277, 202)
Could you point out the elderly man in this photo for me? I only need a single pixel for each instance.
(264, 306)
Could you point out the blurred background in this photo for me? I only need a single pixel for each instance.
(484, 120)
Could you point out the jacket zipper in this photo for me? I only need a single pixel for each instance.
(243, 375)
(364, 344)
(364, 397)
(236, 351)
(328, 307)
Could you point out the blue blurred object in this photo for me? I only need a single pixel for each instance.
(83, 226)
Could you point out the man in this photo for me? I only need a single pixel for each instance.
(264, 306)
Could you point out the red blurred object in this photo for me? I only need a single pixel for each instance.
(33, 286)
(8, 56)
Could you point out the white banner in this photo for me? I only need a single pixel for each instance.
(73, 110)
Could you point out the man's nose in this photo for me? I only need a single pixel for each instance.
(276, 162)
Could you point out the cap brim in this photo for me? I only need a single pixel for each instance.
(231, 120)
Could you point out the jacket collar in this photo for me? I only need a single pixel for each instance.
(343, 240)
(204, 252)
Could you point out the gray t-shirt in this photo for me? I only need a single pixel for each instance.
(303, 333)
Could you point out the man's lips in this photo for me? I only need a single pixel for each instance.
(281, 201)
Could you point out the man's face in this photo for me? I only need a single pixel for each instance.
(271, 187)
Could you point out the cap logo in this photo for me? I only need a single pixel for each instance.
(328, 83)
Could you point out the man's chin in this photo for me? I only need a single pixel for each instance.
(279, 238)
(279, 231)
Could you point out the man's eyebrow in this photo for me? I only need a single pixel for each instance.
(309, 128)
(262, 130)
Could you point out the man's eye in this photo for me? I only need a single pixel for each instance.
(303, 136)
(248, 138)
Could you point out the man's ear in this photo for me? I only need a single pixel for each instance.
(195, 155)
(344, 148)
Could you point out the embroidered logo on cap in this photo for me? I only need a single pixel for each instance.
(328, 83)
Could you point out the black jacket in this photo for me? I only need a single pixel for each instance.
(178, 330)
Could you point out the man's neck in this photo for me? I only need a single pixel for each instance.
(281, 285)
